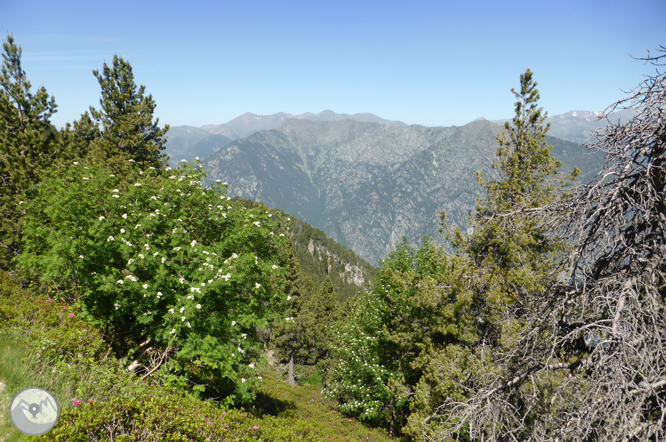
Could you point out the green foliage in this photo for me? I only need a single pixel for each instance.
(338, 257)
(162, 259)
(433, 321)
(100, 401)
(303, 338)
(513, 255)
(390, 356)
(29, 145)
(126, 118)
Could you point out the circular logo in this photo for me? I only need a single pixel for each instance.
(34, 411)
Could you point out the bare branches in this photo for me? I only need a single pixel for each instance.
(590, 360)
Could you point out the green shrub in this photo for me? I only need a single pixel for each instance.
(161, 259)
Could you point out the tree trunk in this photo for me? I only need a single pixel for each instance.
(290, 374)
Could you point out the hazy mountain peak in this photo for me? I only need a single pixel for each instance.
(249, 123)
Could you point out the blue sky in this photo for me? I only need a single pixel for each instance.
(435, 63)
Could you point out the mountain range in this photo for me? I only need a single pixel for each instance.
(366, 184)
(577, 126)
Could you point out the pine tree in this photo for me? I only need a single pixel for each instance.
(29, 144)
(513, 253)
(317, 315)
(288, 330)
(511, 257)
(126, 119)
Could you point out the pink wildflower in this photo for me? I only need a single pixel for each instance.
(72, 315)
(255, 427)
(90, 401)
(77, 403)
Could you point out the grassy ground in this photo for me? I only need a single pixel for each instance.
(41, 344)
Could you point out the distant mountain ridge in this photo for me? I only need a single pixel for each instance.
(577, 126)
(368, 184)
(249, 123)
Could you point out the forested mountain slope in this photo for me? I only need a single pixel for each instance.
(367, 185)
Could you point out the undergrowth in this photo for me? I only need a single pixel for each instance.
(43, 343)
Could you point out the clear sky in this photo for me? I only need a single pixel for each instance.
(435, 63)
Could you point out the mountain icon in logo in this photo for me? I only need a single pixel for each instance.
(34, 411)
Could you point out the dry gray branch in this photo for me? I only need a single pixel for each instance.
(591, 363)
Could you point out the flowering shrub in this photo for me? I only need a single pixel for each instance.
(363, 380)
(160, 258)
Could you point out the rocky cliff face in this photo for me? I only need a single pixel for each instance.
(352, 274)
(367, 185)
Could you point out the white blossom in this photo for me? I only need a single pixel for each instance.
(145, 286)
(101, 218)
(124, 216)
(199, 306)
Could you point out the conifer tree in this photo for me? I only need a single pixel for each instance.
(515, 255)
(512, 257)
(126, 119)
(29, 145)
(318, 313)
(288, 330)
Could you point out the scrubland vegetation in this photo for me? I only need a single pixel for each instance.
(157, 309)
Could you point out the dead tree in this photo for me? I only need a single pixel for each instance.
(590, 364)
